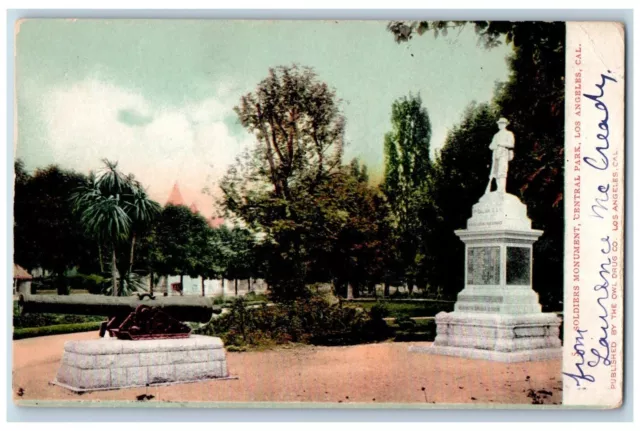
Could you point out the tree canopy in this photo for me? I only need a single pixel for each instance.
(46, 231)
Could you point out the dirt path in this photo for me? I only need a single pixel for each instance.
(379, 373)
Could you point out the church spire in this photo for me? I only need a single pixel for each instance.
(175, 198)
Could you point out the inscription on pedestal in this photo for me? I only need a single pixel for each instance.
(483, 265)
(518, 266)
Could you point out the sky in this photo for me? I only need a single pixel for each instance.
(158, 95)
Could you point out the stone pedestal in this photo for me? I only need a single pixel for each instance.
(109, 363)
(497, 315)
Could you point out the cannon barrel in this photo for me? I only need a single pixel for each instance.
(186, 309)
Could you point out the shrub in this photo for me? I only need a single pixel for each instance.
(422, 330)
(35, 320)
(405, 323)
(379, 311)
(93, 283)
(310, 320)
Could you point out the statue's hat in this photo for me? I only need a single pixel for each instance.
(503, 120)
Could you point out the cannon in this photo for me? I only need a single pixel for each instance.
(143, 316)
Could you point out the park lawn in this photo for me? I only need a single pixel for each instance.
(408, 309)
(40, 320)
(68, 328)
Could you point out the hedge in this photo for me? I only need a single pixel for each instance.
(20, 333)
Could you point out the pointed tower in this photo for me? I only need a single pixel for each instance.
(175, 198)
(215, 222)
(194, 208)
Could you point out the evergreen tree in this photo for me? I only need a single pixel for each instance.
(407, 166)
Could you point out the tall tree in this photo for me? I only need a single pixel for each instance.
(46, 232)
(112, 207)
(299, 128)
(407, 166)
(241, 257)
(359, 253)
(181, 238)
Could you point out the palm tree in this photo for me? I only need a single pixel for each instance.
(112, 208)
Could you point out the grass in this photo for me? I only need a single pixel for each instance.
(21, 333)
(409, 309)
(39, 320)
(251, 297)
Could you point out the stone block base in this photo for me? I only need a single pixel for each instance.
(108, 363)
(497, 337)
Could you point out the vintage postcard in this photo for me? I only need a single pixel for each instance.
(409, 214)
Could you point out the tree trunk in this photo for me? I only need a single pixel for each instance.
(236, 283)
(100, 258)
(202, 281)
(151, 283)
(249, 284)
(114, 271)
(387, 288)
(350, 291)
(410, 287)
(222, 284)
(133, 246)
(181, 285)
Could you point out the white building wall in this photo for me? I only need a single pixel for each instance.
(193, 286)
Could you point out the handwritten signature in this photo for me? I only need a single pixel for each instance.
(603, 125)
(600, 355)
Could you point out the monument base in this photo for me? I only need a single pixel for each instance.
(497, 337)
(108, 363)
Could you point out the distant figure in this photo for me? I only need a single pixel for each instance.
(502, 147)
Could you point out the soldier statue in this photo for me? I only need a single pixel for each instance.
(502, 146)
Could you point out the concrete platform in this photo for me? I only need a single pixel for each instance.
(108, 363)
